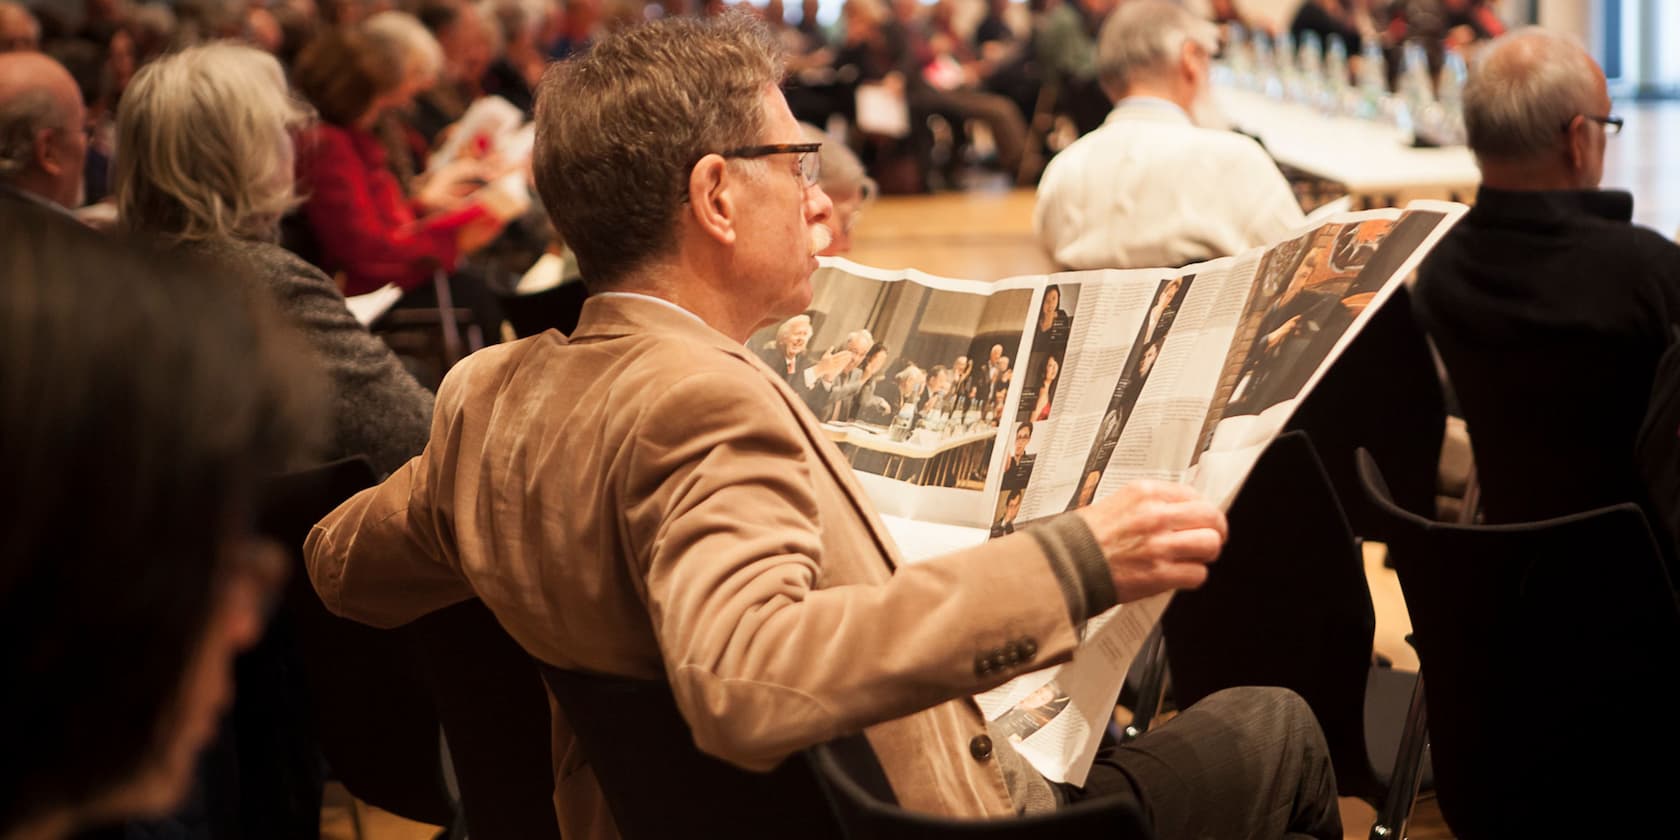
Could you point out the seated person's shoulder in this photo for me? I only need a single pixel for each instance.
(1659, 247)
(1234, 148)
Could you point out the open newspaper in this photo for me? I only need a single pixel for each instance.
(980, 407)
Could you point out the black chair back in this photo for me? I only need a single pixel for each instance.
(658, 784)
(368, 704)
(1522, 628)
(555, 308)
(1383, 394)
(1287, 605)
(843, 772)
(494, 710)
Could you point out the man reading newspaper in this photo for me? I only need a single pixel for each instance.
(649, 500)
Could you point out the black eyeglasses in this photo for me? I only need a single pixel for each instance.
(810, 165)
(1612, 123)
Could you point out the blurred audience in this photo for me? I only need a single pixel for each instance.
(468, 43)
(352, 166)
(1065, 45)
(206, 166)
(1152, 187)
(515, 73)
(43, 130)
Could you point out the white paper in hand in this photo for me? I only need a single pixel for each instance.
(882, 110)
(492, 118)
(367, 308)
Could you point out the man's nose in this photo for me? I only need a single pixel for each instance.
(818, 206)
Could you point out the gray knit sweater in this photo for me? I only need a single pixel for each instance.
(377, 408)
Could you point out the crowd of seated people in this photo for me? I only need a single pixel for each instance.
(958, 72)
(854, 382)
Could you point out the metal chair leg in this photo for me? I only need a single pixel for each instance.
(1152, 658)
(1408, 771)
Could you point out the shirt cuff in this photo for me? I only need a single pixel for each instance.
(1078, 563)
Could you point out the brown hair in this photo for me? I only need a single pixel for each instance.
(620, 127)
(341, 75)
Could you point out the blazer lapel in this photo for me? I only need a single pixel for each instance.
(830, 455)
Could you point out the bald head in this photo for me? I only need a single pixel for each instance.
(18, 28)
(1527, 106)
(42, 144)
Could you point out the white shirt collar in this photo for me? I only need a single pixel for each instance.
(1156, 106)
(659, 300)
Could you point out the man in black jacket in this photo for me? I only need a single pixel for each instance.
(1548, 306)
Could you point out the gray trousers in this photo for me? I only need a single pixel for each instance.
(1242, 763)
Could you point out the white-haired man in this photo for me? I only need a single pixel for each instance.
(1154, 186)
(1548, 306)
(786, 353)
(828, 391)
(646, 500)
(43, 136)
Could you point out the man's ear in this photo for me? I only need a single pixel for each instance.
(1577, 143)
(712, 199)
(1189, 63)
(47, 156)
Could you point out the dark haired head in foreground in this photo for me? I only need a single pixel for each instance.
(140, 402)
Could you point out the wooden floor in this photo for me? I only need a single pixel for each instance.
(986, 234)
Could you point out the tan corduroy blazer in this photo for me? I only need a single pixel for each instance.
(650, 501)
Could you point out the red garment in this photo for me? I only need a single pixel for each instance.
(363, 223)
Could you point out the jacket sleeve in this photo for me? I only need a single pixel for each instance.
(766, 652)
(386, 556)
(378, 408)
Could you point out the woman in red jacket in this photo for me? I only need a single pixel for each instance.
(365, 224)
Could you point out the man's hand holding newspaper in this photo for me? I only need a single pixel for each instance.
(1157, 536)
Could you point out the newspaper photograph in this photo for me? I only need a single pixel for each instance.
(1062, 389)
(910, 376)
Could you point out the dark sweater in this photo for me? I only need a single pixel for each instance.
(1550, 310)
(378, 409)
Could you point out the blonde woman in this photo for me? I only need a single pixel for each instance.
(205, 162)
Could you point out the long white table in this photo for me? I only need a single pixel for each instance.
(1367, 158)
(924, 458)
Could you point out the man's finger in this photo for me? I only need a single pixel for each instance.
(1195, 546)
(1187, 516)
(1170, 491)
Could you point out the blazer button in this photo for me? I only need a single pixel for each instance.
(980, 747)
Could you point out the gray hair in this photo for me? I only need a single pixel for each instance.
(402, 41)
(842, 172)
(1144, 38)
(788, 326)
(204, 147)
(21, 118)
(1523, 89)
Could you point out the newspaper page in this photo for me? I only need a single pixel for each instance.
(978, 407)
